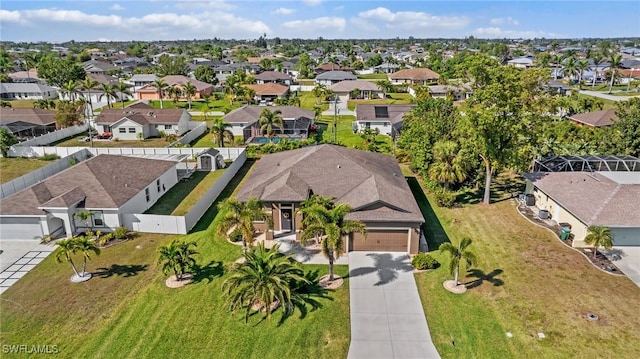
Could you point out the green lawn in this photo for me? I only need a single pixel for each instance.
(126, 311)
(184, 195)
(23, 103)
(607, 104)
(345, 132)
(199, 105)
(308, 101)
(526, 282)
(149, 142)
(375, 76)
(11, 168)
(393, 98)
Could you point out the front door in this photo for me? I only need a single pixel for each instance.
(287, 215)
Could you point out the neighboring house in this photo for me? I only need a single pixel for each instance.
(387, 119)
(139, 80)
(456, 93)
(583, 199)
(595, 119)
(415, 76)
(127, 123)
(371, 183)
(332, 77)
(521, 62)
(274, 77)
(244, 122)
(98, 67)
(387, 68)
(367, 90)
(27, 76)
(269, 91)
(559, 88)
(331, 67)
(26, 91)
(27, 122)
(150, 92)
(108, 186)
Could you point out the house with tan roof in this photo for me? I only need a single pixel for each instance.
(107, 186)
(244, 122)
(386, 119)
(414, 76)
(128, 123)
(267, 92)
(584, 198)
(150, 92)
(371, 183)
(595, 119)
(346, 90)
(27, 122)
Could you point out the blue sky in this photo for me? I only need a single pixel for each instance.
(93, 20)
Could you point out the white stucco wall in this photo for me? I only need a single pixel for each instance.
(139, 203)
(237, 128)
(384, 127)
(126, 125)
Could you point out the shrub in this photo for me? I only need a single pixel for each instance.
(445, 198)
(235, 236)
(120, 232)
(49, 157)
(424, 261)
(104, 239)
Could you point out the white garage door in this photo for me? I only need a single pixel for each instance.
(626, 236)
(20, 228)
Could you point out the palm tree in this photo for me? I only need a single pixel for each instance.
(123, 89)
(597, 60)
(85, 246)
(221, 132)
(66, 248)
(269, 120)
(241, 215)
(570, 67)
(108, 91)
(189, 91)
(174, 93)
(319, 91)
(207, 97)
(160, 85)
(87, 85)
(71, 89)
(599, 236)
(85, 216)
(324, 219)
(614, 63)
(177, 257)
(44, 104)
(448, 166)
(458, 253)
(264, 279)
(581, 65)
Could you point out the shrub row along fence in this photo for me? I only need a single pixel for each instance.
(153, 223)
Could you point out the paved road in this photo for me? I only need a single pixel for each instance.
(387, 319)
(606, 96)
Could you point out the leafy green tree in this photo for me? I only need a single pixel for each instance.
(206, 74)
(58, 71)
(323, 219)
(614, 64)
(628, 127)
(85, 246)
(269, 121)
(241, 215)
(68, 113)
(177, 257)
(7, 139)
(385, 85)
(448, 166)
(221, 132)
(168, 65)
(598, 236)
(160, 85)
(458, 254)
(265, 278)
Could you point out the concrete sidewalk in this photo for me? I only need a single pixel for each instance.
(387, 319)
(605, 95)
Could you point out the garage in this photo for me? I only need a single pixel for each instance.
(626, 236)
(387, 240)
(20, 227)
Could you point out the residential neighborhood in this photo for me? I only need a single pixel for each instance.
(240, 186)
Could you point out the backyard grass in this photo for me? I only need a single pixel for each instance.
(345, 132)
(11, 168)
(392, 98)
(184, 195)
(199, 105)
(526, 282)
(375, 76)
(308, 101)
(149, 142)
(126, 311)
(607, 104)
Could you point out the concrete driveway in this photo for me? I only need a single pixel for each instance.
(627, 259)
(387, 319)
(18, 257)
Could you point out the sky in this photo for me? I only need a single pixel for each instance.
(149, 20)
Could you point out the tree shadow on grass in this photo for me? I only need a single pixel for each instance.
(212, 270)
(307, 296)
(127, 270)
(482, 277)
(432, 228)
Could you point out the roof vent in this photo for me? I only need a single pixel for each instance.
(338, 166)
(126, 185)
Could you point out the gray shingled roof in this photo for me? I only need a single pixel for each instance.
(107, 181)
(251, 114)
(141, 115)
(593, 198)
(395, 113)
(371, 183)
(336, 76)
(272, 76)
(350, 85)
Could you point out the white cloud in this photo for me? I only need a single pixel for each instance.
(214, 5)
(316, 25)
(10, 16)
(283, 11)
(312, 2)
(366, 26)
(116, 7)
(504, 20)
(414, 20)
(496, 32)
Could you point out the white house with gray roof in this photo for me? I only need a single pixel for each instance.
(26, 91)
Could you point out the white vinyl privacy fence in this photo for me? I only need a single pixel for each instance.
(229, 153)
(196, 129)
(54, 136)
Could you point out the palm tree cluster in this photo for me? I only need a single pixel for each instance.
(83, 245)
(221, 133)
(264, 281)
(270, 121)
(322, 219)
(177, 257)
(241, 215)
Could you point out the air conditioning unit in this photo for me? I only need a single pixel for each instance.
(543, 214)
